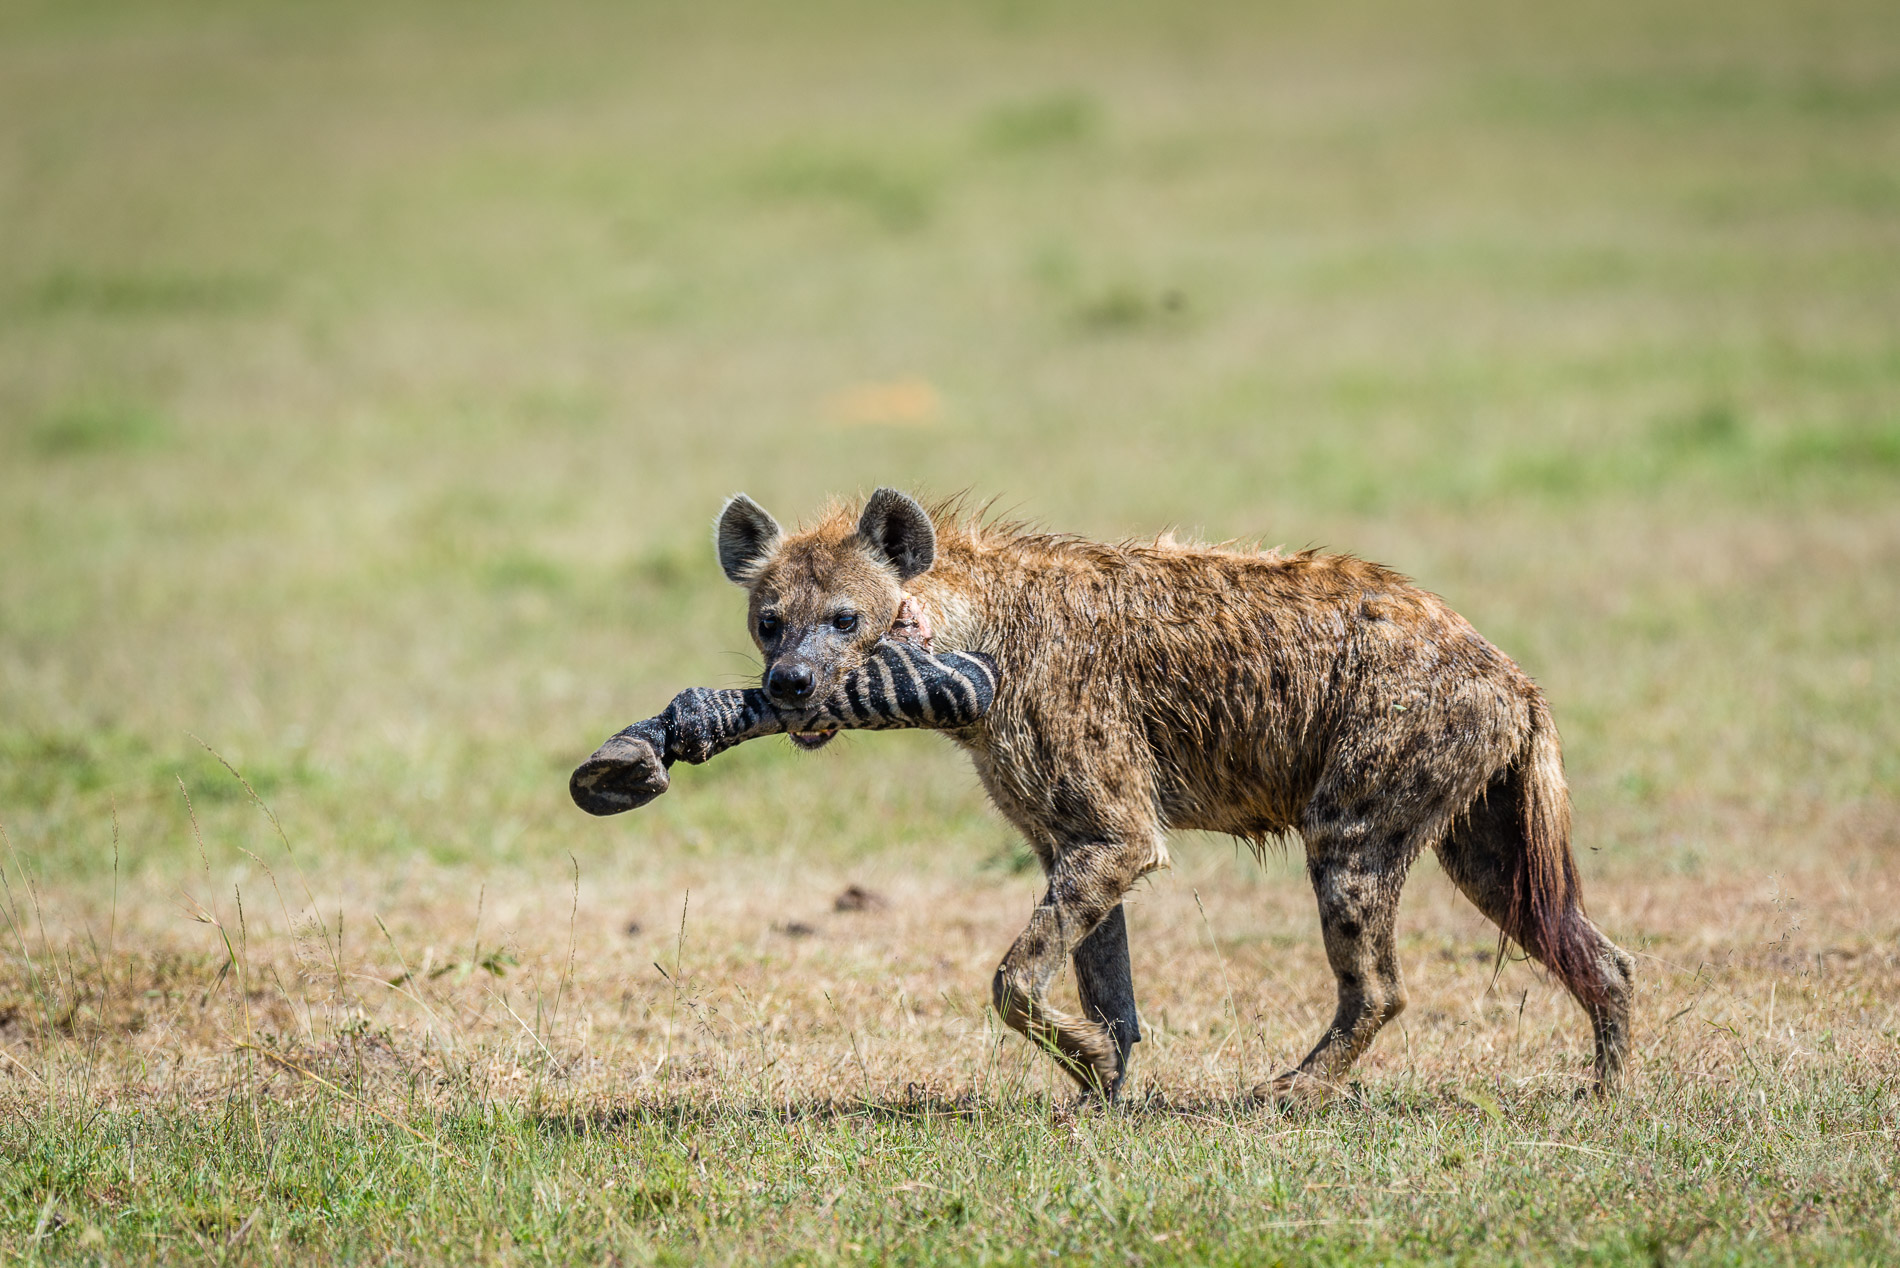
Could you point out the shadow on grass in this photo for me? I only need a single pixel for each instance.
(683, 1110)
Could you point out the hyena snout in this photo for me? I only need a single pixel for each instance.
(795, 685)
(789, 683)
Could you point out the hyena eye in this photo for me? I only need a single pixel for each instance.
(845, 621)
(768, 626)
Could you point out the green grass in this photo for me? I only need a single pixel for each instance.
(369, 377)
(1414, 1178)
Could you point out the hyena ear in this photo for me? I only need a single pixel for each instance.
(899, 531)
(746, 537)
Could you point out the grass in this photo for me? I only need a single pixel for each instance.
(369, 376)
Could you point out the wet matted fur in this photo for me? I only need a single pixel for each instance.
(1144, 687)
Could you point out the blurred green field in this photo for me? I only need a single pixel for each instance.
(370, 375)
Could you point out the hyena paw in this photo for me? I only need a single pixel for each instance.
(1296, 1089)
(1100, 1090)
(1089, 1054)
(1084, 1049)
(625, 773)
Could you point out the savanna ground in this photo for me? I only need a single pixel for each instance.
(369, 376)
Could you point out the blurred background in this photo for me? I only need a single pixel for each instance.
(370, 375)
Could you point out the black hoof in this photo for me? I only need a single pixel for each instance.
(624, 774)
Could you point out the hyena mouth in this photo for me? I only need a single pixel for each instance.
(811, 741)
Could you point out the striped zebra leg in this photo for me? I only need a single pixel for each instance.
(899, 686)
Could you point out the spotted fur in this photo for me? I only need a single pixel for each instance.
(1152, 686)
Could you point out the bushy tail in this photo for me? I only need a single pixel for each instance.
(1546, 899)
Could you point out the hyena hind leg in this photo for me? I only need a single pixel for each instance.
(1358, 907)
(1482, 854)
(1106, 985)
(1086, 883)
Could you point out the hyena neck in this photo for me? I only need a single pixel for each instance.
(912, 624)
(954, 596)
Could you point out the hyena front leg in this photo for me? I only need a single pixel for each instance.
(1106, 984)
(1086, 883)
(1358, 892)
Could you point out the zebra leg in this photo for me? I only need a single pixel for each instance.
(900, 686)
(625, 773)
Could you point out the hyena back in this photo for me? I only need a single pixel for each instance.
(1149, 687)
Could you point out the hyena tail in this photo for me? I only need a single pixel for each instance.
(1546, 899)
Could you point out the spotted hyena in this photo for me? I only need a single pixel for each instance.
(1140, 688)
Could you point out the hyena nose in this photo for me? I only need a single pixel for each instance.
(789, 684)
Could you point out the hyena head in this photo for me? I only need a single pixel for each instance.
(821, 598)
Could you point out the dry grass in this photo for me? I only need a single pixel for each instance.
(771, 995)
(677, 1065)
